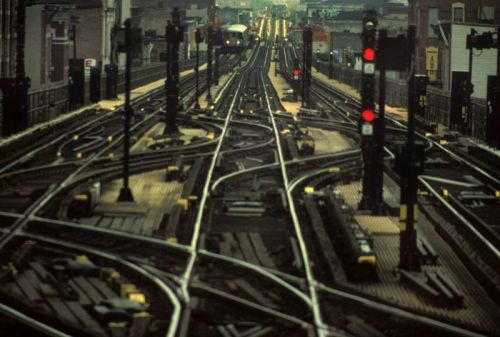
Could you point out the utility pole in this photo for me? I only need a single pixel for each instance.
(174, 35)
(378, 159)
(197, 37)
(210, 33)
(111, 69)
(307, 36)
(407, 158)
(218, 42)
(126, 192)
(466, 108)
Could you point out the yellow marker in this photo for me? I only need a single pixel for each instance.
(137, 297)
(183, 202)
(402, 212)
(127, 288)
(109, 139)
(211, 135)
(172, 239)
(443, 142)
(76, 137)
(308, 189)
(82, 259)
(445, 193)
(59, 154)
(370, 259)
(79, 155)
(111, 156)
(81, 197)
(172, 168)
(334, 169)
(497, 194)
(193, 198)
(428, 134)
(285, 131)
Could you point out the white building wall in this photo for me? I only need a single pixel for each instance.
(34, 43)
(484, 62)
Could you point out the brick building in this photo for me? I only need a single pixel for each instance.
(426, 13)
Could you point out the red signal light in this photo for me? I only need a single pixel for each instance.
(296, 72)
(369, 54)
(368, 115)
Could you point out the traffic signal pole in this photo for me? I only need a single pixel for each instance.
(367, 116)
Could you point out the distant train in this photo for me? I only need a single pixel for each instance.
(236, 39)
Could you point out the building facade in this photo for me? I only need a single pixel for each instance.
(7, 37)
(426, 14)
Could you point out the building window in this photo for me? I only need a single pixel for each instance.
(486, 14)
(458, 10)
(433, 20)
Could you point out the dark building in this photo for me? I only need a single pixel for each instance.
(7, 37)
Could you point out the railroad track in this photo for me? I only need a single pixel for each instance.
(43, 145)
(240, 253)
(466, 191)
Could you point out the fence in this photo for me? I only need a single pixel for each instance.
(438, 108)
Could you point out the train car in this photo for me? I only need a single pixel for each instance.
(236, 39)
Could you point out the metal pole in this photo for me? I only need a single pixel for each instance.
(408, 236)
(125, 192)
(378, 160)
(196, 70)
(330, 68)
(209, 62)
(216, 71)
(467, 116)
(73, 29)
(498, 51)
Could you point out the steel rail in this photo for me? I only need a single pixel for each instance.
(318, 321)
(175, 318)
(489, 245)
(381, 306)
(186, 277)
